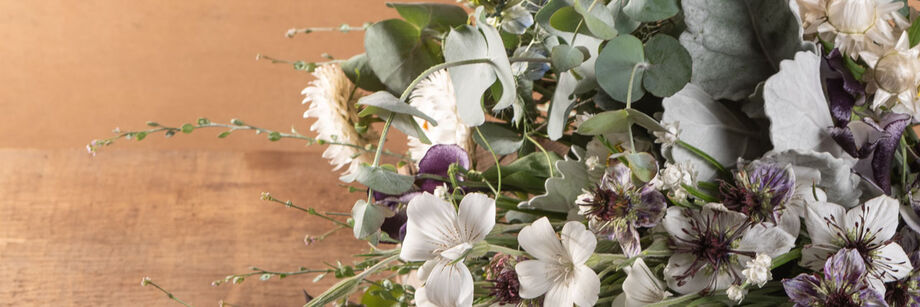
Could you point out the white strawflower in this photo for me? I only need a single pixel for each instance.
(434, 96)
(736, 293)
(669, 137)
(895, 76)
(853, 25)
(332, 104)
(757, 270)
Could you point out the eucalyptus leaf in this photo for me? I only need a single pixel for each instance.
(643, 165)
(798, 111)
(711, 127)
(565, 57)
(368, 218)
(564, 97)
(360, 73)
(402, 122)
(605, 122)
(502, 140)
(623, 23)
(597, 18)
(527, 173)
(651, 10)
(438, 16)
(737, 44)
(620, 59)
(397, 53)
(387, 101)
(644, 120)
(669, 66)
(382, 180)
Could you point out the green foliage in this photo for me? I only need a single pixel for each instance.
(643, 165)
(669, 66)
(565, 57)
(383, 180)
(397, 52)
(597, 18)
(605, 122)
(651, 10)
(385, 100)
(437, 16)
(368, 218)
(913, 33)
(527, 173)
(502, 140)
(360, 73)
(621, 59)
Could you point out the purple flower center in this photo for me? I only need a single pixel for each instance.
(609, 204)
(711, 242)
(761, 194)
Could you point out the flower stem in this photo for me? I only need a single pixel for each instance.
(549, 160)
(311, 211)
(712, 161)
(498, 165)
(147, 281)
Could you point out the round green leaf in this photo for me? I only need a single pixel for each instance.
(651, 10)
(669, 66)
(605, 122)
(615, 64)
(397, 53)
(642, 165)
(565, 57)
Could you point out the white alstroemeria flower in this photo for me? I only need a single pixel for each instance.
(641, 287)
(895, 76)
(867, 228)
(559, 270)
(441, 237)
(332, 104)
(434, 96)
(853, 26)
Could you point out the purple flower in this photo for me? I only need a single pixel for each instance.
(874, 144)
(906, 292)
(760, 192)
(843, 284)
(505, 287)
(711, 246)
(616, 207)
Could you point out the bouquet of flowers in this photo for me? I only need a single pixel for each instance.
(624, 153)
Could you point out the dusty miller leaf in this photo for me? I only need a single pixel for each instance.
(562, 190)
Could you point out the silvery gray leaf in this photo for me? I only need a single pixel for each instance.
(737, 44)
(710, 126)
(833, 175)
(794, 103)
(562, 190)
(567, 86)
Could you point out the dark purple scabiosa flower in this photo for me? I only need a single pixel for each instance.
(759, 191)
(843, 284)
(906, 292)
(505, 287)
(711, 246)
(616, 207)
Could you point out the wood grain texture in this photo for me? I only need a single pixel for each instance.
(81, 231)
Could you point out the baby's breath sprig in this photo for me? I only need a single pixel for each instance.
(147, 281)
(287, 203)
(234, 125)
(266, 275)
(300, 65)
(344, 28)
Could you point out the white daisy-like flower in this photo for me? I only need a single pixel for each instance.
(895, 76)
(332, 104)
(434, 96)
(867, 228)
(853, 25)
(641, 287)
(440, 236)
(559, 270)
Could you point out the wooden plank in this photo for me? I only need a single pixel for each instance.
(76, 230)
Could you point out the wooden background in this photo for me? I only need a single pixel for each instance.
(82, 231)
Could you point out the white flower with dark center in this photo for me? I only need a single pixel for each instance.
(867, 229)
(559, 270)
(853, 26)
(894, 78)
(641, 287)
(332, 103)
(440, 236)
(434, 96)
(711, 244)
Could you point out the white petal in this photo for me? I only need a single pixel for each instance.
(450, 285)
(477, 217)
(431, 225)
(675, 222)
(534, 277)
(770, 240)
(620, 301)
(818, 228)
(560, 295)
(421, 299)
(457, 251)
(426, 268)
(578, 241)
(878, 216)
(586, 286)
(791, 223)
(539, 240)
(876, 284)
(677, 264)
(891, 262)
(641, 286)
(815, 255)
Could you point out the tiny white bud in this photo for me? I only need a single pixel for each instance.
(593, 163)
(145, 281)
(442, 192)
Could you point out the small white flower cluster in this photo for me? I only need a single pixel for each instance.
(674, 176)
(757, 270)
(669, 137)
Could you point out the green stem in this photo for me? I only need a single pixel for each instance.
(311, 211)
(498, 166)
(699, 194)
(712, 161)
(632, 78)
(549, 160)
(504, 203)
(504, 250)
(147, 281)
